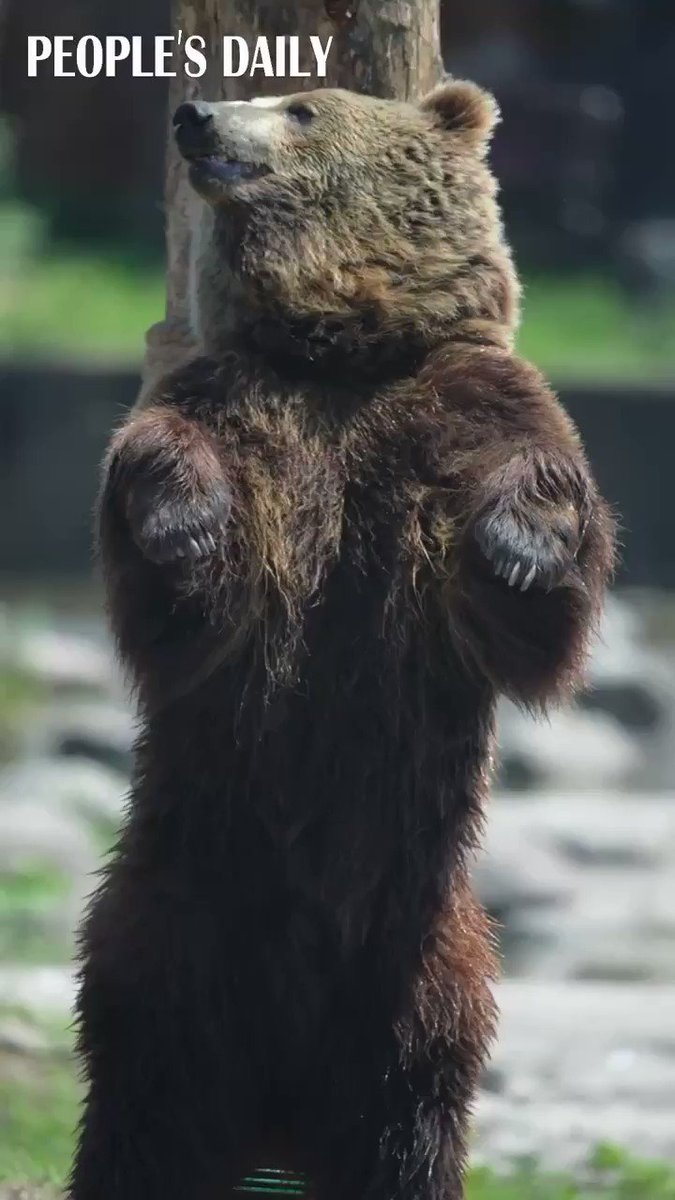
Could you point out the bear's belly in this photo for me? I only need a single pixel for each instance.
(330, 791)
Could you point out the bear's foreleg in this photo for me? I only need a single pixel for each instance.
(538, 551)
(532, 541)
(163, 478)
(163, 530)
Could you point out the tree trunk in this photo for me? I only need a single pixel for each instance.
(386, 48)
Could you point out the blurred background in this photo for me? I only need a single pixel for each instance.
(579, 868)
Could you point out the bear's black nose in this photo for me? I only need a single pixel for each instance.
(195, 129)
(193, 113)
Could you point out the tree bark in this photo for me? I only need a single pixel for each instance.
(386, 48)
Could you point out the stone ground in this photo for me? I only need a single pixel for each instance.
(27, 1193)
(578, 1064)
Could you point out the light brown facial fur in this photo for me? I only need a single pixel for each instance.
(365, 219)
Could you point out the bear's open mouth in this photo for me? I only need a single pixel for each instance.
(229, 170)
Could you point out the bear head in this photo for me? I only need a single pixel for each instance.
(338, 227)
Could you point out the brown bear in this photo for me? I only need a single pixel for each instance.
(330, 543)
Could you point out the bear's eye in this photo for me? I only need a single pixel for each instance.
(301, 113)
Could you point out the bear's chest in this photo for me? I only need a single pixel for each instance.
(320, 480)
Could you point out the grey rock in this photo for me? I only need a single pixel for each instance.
(67, 785)
(607, 936)
(621, 732)
(47, 837)
(583, 885)
(516, 868)
(634, 683)
(41, 991)
(33, 833)
(21, 1037)
(591, 829)
(59, 659)
(101, 731)
(569, 749)
(49, 817)
(581, 1065)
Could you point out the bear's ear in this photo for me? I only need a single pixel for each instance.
(463, 108)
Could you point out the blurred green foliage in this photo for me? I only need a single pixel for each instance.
(585, 327)
(28, 896)
(20, 694)
(610, 1175)
(39, 1108)
(72, 305)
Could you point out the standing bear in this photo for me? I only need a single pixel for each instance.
(330, 543)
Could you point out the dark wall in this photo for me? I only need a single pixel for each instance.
(54, 425)
(89, 152)
(629, 434)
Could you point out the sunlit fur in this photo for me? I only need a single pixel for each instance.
(300, 534)
(377, 231)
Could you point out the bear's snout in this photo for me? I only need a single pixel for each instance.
(194, 128)
(228, 143)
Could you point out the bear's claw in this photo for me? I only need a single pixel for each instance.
(169, 531)
(163, 543)
(527, 549)
(516, 572)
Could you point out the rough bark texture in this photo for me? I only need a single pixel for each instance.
(383, 47)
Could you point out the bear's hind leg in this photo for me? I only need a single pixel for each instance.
(179, 1134)
(174, 1096)
(406, 1139)
(398, 1091)
(126, 1154)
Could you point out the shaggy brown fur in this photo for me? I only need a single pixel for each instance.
(315, 539)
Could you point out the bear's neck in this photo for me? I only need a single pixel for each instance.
(329, 344)
(380, 326)
(356, 347)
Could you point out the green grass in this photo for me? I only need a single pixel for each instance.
(38, 1117)
(20, 695)
(583, 326)
(610, 1175)
(39, 1107)
(27, 898)
(81, 307)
